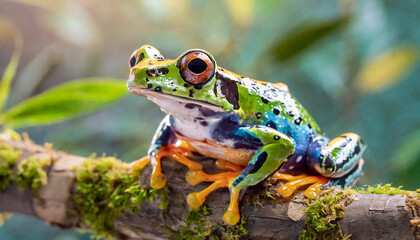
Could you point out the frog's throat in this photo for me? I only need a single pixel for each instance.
(163, 100)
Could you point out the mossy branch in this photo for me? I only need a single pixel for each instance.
(101, 195)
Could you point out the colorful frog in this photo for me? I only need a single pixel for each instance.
(254, 129)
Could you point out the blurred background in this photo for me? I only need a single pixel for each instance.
(352, 64)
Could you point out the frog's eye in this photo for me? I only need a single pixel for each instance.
(196, 67)
(135, 58)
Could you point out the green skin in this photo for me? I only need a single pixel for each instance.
(262, 120)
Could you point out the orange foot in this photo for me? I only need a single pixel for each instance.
(294, 182)
(158, 179)
(219, 180)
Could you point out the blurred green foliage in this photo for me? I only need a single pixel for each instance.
(352, 64)
(69, 100)
(65, 101)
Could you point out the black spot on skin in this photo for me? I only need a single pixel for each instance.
(206, 112)
(290, 114)
(150, 72)
(229, 89)
(199, 118)
(258, 115)
(265, 100)
(158, 89)
(174, 90)
(146, 79)
(298, 120)
(221, 69)
(271, 124)
(187, 85)
(204, 123)
(149, 85)
(309, 125)
(133, 61)
(191, 93)
(141, 57)
(198, 87)
(238, 180)
(163, 70)
(159, 57)
(276, 111)
(192, 105)
(357, 149)
(260, 161)
(276, 137)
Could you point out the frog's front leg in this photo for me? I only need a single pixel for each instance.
(163, 146)
(275, 150)
(335, 161)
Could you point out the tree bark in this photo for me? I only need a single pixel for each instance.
(368, 216)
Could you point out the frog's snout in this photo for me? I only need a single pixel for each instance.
(145, 52)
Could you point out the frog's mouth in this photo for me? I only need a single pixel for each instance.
(167, 101)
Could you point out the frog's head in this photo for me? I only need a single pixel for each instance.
(189, 80)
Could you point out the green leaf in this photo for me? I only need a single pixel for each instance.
(387, 69)
(9, 74)
(66, 101)
(304, 37)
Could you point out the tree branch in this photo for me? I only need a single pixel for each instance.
(367, 216)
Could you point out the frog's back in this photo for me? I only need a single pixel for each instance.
(273, 105)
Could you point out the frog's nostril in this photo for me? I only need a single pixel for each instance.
(140, 58)
(135, 58)
(132, 61)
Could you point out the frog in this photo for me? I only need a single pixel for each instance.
(254, 130)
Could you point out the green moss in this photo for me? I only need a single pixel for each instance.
(30, 173)
(382, 189)
(322, 215)
(8, 158)
(198, 228)
(106, 190)
(235, 232)
(195, 228)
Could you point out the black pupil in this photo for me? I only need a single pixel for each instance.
(197, 66)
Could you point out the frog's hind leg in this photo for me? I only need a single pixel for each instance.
(335, 158)
(349, 179)
(295, 182)
(337, 162)
(226, 165)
